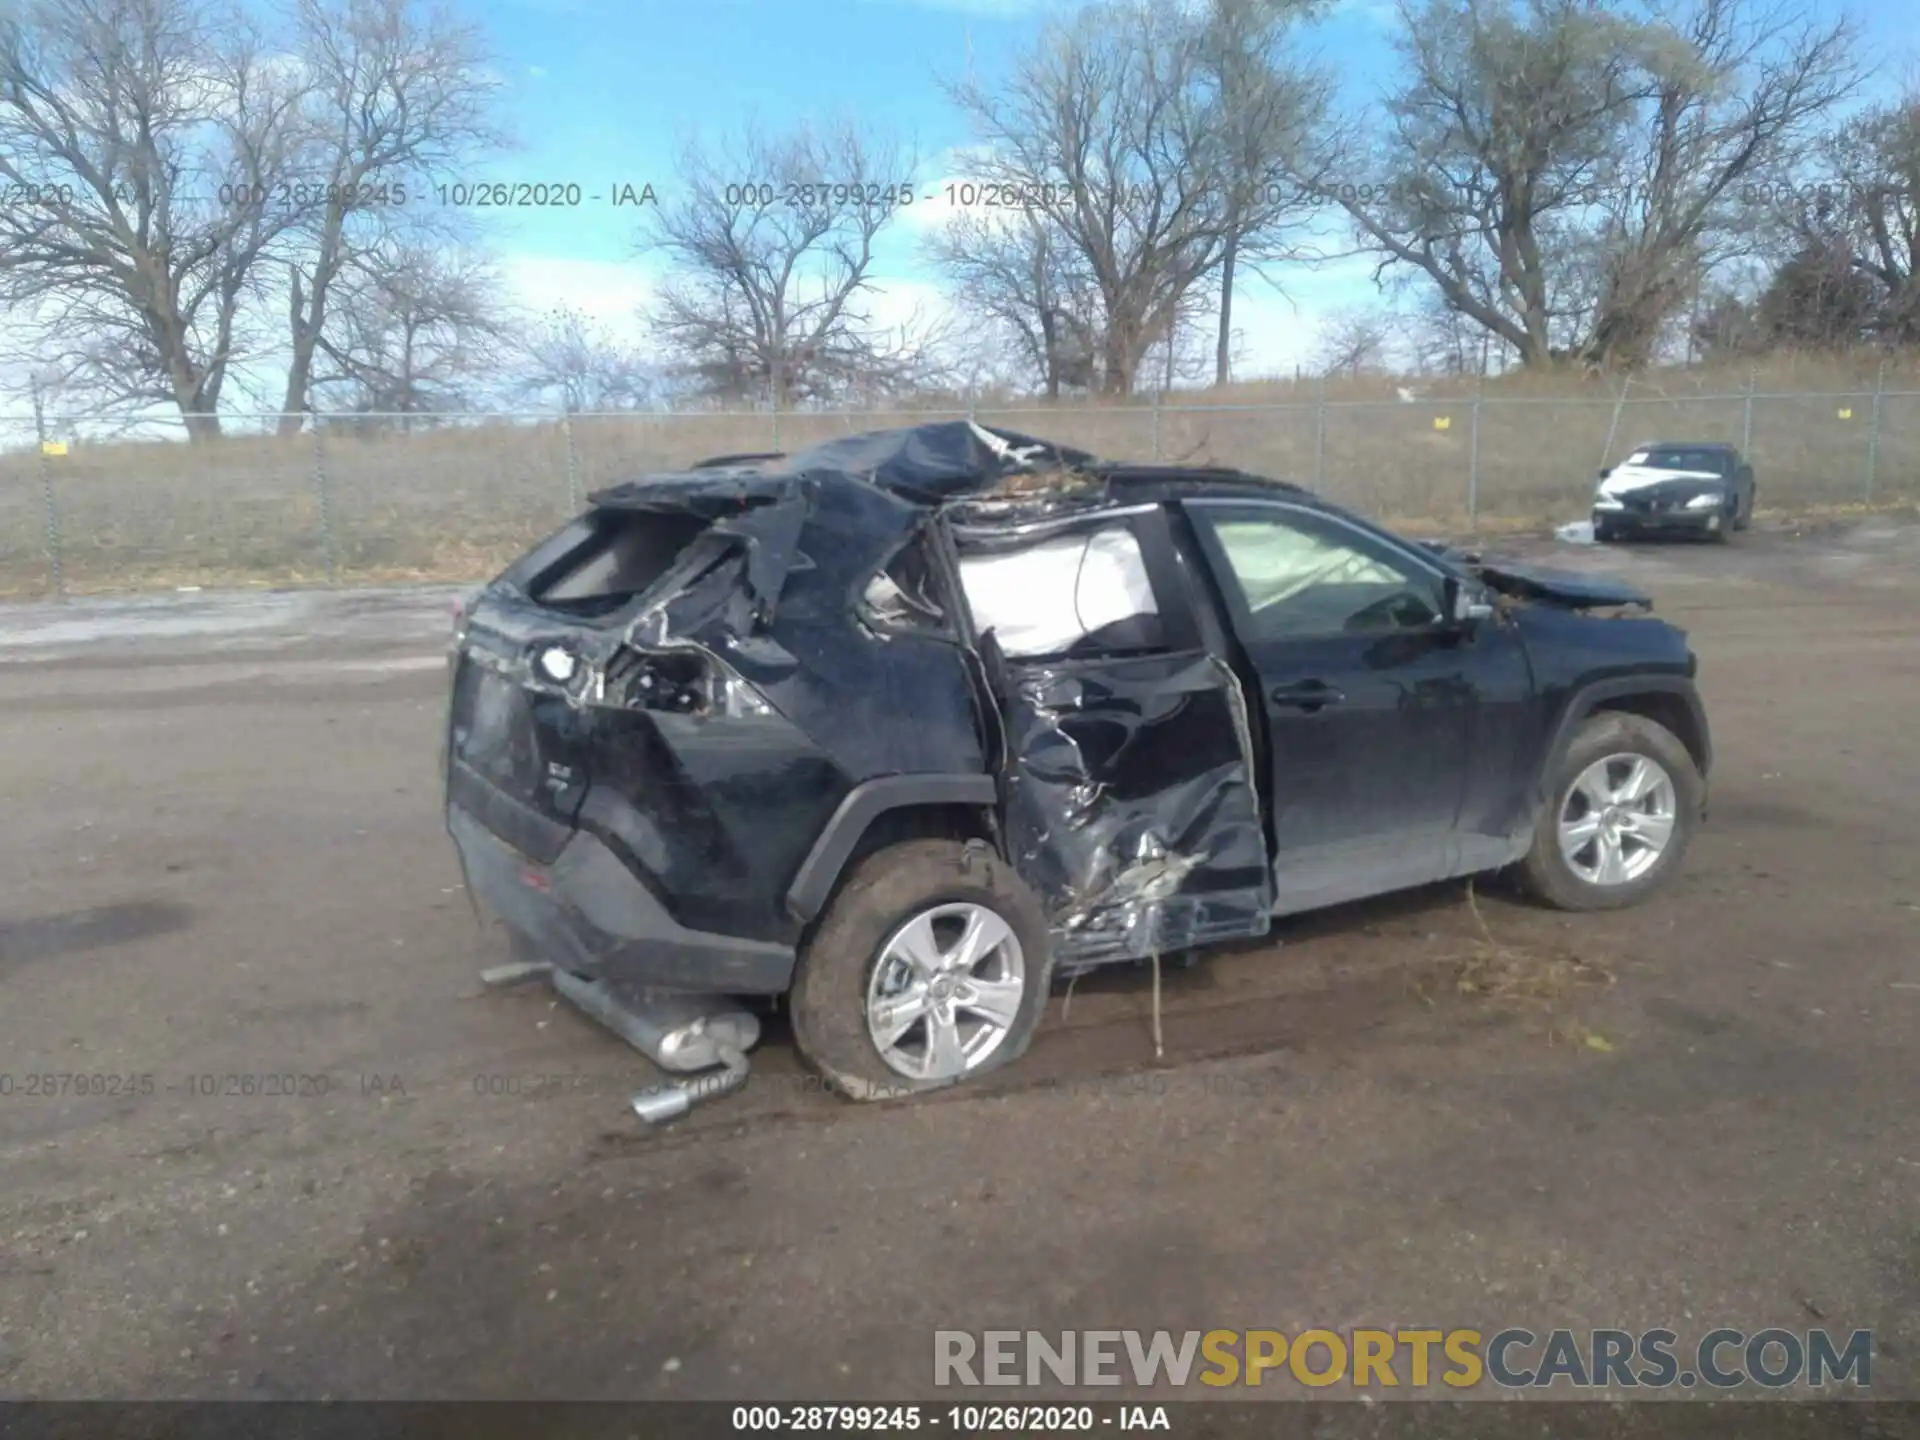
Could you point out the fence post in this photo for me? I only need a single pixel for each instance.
(321, 500)
(573, 465)
(1473, 458)
(1156, 426)
(1320, 440)
(1746, 423)
(1873, 431)
(52, 511)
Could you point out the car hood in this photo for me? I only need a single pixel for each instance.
(1564, 588)
(1625, 479)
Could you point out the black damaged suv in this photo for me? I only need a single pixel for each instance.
(909, 725)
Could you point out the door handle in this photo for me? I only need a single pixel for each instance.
(1307, 695)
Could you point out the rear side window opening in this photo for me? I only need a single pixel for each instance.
(1072, 595)
(609, 559)
(902, 595)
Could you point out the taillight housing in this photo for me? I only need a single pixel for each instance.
(682, 682)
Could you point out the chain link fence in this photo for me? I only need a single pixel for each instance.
(358, 499)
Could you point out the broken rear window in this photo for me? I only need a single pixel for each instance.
(614, 557)
(901, 595)
(1086, 593)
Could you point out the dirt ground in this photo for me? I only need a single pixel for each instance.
(221, 856)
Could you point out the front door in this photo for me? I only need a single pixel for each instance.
(1367, 690)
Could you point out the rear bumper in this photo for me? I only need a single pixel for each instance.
(587, 912)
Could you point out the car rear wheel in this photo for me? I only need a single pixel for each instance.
(1623, 803)
(1744, 517)
(930, 966)
(1603, 533)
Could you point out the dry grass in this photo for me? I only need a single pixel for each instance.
(457, 502)
(1546, 981)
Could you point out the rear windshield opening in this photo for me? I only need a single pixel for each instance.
(623, 556)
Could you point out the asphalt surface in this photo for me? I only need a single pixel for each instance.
(305, 1154)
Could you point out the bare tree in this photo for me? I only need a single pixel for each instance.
(1185, 351)
(416, 329)
(1728, 87)
(1726, 325)
(144, 138)
(570, 359)
(1820, 300)
(1014, 275)
(1353, 342)
(395, 91)
(1562, 173)
(1445, 342)
(1107, 132)
(1874, 165)
(1271, 112)
(771, 243)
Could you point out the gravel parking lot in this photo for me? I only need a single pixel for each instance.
(303, 1154)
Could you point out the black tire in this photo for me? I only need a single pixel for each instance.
(1745, 518)
(1545, 872)
(1603, 533)
(829, 997)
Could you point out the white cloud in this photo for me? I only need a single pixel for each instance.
(610, 291)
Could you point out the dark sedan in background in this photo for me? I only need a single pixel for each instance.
(1689, 486)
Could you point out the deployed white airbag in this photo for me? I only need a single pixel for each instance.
(1040, 600)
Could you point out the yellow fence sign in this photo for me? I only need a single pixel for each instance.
(53, 447)
(1443, 422)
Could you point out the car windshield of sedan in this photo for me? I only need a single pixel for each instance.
(1676, 457)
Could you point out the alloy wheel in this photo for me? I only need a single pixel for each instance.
(945, 991)
(1617, 819)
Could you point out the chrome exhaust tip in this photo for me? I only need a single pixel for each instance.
(682, 1033)
(669, 1102)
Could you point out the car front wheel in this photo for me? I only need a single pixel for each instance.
(1623, 803)
(930, 966)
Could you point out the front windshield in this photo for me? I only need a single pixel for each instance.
(1679, 457)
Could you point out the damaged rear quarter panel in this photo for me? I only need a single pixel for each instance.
(721, 811)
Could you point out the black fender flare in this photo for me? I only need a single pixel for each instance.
(1593, 696)
(813, 882)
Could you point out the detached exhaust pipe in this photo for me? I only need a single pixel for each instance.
(670, 1102)
(682, 1033)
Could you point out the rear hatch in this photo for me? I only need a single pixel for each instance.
(588, 627)
(516, 738)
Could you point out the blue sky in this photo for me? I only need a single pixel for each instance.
(599, 91)
(602, 91)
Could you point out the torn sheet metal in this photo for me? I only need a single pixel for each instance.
(926, 464)
(1132, 803)
(1564, 588)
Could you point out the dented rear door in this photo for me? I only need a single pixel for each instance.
(1132, 796)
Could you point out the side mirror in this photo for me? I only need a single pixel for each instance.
(1465, 604)
(1605, 470)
